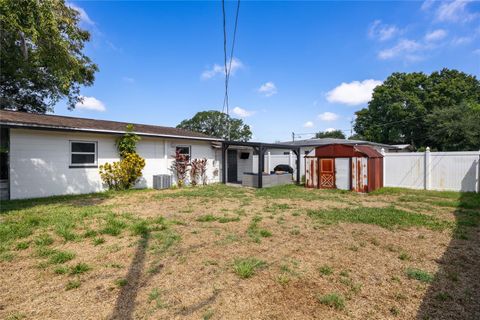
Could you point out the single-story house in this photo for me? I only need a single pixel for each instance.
(45, 155)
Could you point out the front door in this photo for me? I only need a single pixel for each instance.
(232, 166)
(327, 173)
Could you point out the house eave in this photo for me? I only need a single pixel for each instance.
(60, 128)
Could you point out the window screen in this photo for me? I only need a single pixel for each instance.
(83, 153)
(185, 150)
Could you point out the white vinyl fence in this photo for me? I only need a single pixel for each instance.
(455, 171)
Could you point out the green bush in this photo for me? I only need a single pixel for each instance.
(123, 174)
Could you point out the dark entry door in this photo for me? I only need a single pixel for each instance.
(327, 173)
(232, 166)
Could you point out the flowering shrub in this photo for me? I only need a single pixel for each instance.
(123, 174)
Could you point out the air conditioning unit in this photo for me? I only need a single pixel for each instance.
(162, 181)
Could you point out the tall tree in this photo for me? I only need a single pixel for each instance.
(218, 124)
(41, 55)
(330, 134)
(413, 107)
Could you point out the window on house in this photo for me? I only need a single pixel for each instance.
(83, 153)
(185, 150)
(286, 153)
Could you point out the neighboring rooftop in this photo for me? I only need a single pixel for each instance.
(323, 141)
(46, 121)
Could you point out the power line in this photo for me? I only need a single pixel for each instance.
(373, 125)
(225, 51)
(227, 76)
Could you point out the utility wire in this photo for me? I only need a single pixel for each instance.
(225, 51)
(228, 69)
(227, 76)
(374, 125)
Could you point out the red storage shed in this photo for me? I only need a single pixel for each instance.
(341, 166)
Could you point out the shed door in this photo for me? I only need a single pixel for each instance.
(327, 173)
(342, 173)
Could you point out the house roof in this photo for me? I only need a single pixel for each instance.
(315, 142)
(53, 122)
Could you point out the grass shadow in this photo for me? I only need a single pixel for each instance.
(125, 304)
(455, 290)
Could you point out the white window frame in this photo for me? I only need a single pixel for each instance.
(83, 165)
(185, 146)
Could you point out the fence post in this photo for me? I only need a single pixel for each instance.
(478, 174)
(269, 161)
(382, 151)
(427, 169)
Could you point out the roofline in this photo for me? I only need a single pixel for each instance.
(348, 144)
(261, 144)
(59, 128)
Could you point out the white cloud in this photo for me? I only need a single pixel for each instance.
(436, 35)
(220, 69)
(128, 79)
(268, 89)
(308, 124)
(330, 129)
(461, 41)
(381, 31)
(454, 11)
(353, 93)
(427, 4)
(242, 113)
(83, 14)
(328, 116)
(404, 47)
(90, 103)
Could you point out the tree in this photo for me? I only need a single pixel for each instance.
(330, 134)
(218, 124)
(414, 108)
(455, 128)
(41, 57)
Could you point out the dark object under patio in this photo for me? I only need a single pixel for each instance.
(284, 168)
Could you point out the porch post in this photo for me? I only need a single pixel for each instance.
(224, 163)
(297, 152)
(261, 160)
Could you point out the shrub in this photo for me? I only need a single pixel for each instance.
(180, 168)
(123, 174)
(127, 144)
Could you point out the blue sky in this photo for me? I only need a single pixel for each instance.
(298, 66)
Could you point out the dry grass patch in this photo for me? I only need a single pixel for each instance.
(220, 252)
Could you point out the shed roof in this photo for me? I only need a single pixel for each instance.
(344, 151)
(315, 142)
(47, 121)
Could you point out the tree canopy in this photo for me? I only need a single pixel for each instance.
(41, 55)
(330, 134)
(218, 124)
(440, 110)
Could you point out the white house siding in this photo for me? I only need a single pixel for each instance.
(39, 161)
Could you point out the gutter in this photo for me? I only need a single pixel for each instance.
(59, 128)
